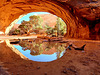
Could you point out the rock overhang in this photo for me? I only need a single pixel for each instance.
(81, 16)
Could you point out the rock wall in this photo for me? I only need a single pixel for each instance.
(87, 13)
(12, 25)
(81, 16)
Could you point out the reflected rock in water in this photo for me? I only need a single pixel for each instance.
(37, 50)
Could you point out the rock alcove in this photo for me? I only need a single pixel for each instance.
(81, 16)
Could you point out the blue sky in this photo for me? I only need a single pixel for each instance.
(26, 17)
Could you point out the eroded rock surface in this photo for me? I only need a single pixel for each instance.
(81, 16)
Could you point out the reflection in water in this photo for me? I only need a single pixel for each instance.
(15, 50)
(36, 50)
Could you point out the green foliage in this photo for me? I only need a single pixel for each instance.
(60, 26)
(36, 21)
(49, 30)
(21, 26)
(17, 31)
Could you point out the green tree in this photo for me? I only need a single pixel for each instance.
(25, 26)
(17, 31)
(60, 26)
(59, 29)
(49, 30)
(36, 22)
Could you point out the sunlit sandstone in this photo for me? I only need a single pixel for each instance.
(81, 16)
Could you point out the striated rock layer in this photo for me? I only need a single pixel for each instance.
(81, 16)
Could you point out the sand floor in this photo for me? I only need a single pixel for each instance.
(73, 62)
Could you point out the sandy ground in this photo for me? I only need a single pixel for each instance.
(4, 37)
(73, 62)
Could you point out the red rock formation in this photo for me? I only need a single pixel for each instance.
(49, 19)
(81, 16)
(15, 27)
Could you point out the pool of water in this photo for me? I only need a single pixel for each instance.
(37, 50)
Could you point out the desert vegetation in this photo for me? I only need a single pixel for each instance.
(34, 26)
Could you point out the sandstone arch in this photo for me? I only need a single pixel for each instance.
(78, 17)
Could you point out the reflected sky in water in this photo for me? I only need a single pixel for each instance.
(41, 51)
(41, 58)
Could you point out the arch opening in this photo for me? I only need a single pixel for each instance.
(44, 24)
(39, 23)
(74, 28)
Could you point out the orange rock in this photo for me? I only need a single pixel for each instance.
(94, 0)
(88, 1)
(68, 11)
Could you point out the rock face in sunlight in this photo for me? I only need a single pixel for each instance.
(48, 19)
(81, 16)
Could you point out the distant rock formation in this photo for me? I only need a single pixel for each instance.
(49, 19)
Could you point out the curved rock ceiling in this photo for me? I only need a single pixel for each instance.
(81, 16)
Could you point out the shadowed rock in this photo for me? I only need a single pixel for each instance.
(79, 48)
(75, 47)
